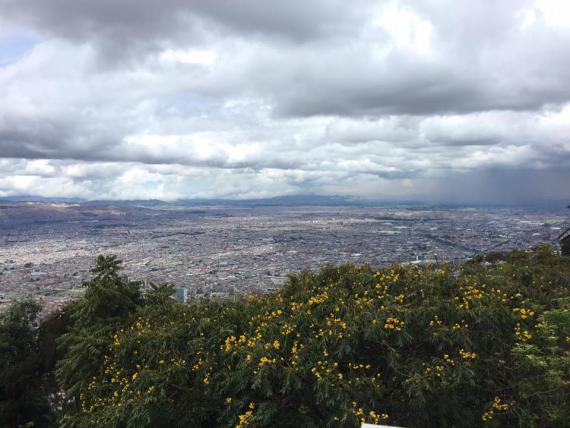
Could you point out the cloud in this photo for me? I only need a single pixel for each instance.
(131, 28)
(394, 99)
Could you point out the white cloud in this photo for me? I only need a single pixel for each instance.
(191, 56)
(393, 99)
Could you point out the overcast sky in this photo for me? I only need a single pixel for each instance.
(436, 100)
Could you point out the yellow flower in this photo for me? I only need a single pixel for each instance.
(467, 355)
(487, 416)
(264, 361)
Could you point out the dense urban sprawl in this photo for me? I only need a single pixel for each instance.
(46, 250)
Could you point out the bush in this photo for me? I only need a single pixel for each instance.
(486, 343)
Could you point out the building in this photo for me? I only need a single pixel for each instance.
(564, 239)
(181, 295)
(565, 242)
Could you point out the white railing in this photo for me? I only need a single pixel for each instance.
(377, 426)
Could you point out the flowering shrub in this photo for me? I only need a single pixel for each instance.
(486, 343)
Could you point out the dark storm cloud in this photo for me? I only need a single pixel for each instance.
(526, 72)
(127, 28)
(482, 186)
(412, 93)
(478, 58)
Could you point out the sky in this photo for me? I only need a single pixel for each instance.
(431, 100)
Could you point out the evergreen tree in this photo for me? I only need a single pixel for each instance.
(109, 302)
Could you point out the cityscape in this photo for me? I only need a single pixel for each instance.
(223, 251)
(249, 214)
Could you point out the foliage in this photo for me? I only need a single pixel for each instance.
(159, 294)
(109, 302)
(22, 398)
(486, 343)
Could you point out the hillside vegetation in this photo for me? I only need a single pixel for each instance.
(483, 344)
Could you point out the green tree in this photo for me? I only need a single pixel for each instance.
(110, 301)
(160, 294)
(22, 396)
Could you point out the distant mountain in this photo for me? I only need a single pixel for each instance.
(291, 200)
(32, 198)
(288, 201)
